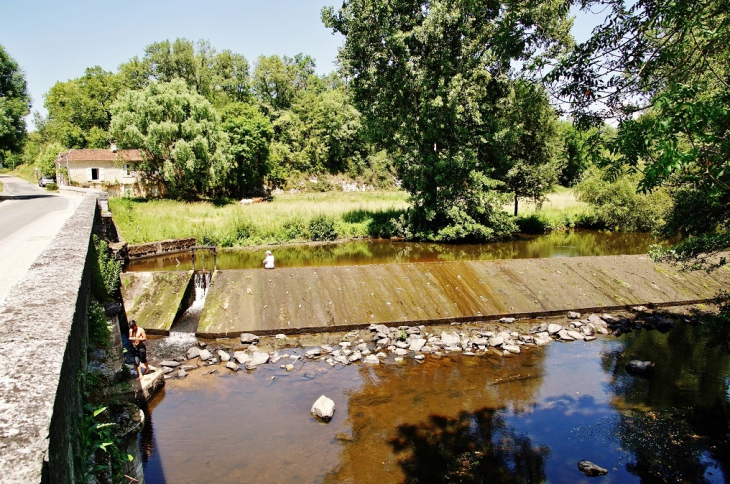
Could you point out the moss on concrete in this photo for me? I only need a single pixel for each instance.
(153, 299)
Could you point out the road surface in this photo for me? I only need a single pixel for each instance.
(29, 219)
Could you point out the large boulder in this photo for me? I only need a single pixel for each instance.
(224, 356)
(205, 355)
(554, 328)
(193, 352)
(242, 357)
(259, 358)
(323, 408)
(417, 344)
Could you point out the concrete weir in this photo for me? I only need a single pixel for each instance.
(154, 299)
(291, 300)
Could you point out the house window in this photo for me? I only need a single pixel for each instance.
(95, 174)
(128, 169)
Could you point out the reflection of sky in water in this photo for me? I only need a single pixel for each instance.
(546, 409)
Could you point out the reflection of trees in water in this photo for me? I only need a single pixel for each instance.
(564, 243)
(475, 447)
(688, 425)
(391, 400)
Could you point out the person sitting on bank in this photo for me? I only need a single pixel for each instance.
(269, 261)
(137, 336)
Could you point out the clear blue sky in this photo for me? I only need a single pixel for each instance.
(55, 41)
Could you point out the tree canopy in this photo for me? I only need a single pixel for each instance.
(430, 78)
(14, 105)
(180, 136)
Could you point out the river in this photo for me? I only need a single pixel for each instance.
(472, 419)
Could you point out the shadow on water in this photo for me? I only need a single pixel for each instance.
(574, 243)
(475, 447)
(676, 423)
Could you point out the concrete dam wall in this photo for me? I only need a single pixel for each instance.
(342, 297)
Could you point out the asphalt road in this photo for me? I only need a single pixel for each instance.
(29, 219)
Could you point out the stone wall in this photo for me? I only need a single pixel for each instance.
(138, 251)
(43, 340)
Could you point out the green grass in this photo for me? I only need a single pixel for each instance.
(561, 210)
(286, 219)
(305, 217)
(1, 186)
(25, 171)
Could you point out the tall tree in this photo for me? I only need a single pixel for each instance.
(79, 110)
(14, 105)
(428, 76)
(277, 80)
(530, 143)
(179, 133)
(250, 134)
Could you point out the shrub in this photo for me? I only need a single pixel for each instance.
(98, 329)
(104, 273)
(618, 206)
(52, 187)
(295, 228)
(322, 227)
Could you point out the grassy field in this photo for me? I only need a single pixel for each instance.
(561, 210)
(288, 218)
(304, 217)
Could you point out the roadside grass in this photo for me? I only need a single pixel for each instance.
(1, 187)
(288, 218)
(24, 171)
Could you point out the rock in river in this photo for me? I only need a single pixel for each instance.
(193, 352)
(590, 469)
(323, 408)
(170, 363)
(450, 339)
(642, 368)
(371, 360)
(248, 338)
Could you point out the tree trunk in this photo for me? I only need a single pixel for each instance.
(515, 205)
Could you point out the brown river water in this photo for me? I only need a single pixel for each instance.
(574, 243)
(471, 419)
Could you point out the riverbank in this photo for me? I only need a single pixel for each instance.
(305, 217)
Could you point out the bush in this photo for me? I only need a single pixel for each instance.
(98, 329)
(295, 228)
(322, 227)
(105, 273)
(618, 206)
(52, 187)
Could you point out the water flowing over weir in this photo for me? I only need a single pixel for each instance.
(188, 321)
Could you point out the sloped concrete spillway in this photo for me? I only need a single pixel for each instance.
(155, 299)
(321, 298)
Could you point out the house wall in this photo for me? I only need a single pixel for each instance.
(113, 172)
(115, 182)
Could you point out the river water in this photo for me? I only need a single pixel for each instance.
(574, 243)
(525, 418)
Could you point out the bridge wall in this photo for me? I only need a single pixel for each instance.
(43, 341)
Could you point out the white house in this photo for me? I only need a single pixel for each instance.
(111, 170)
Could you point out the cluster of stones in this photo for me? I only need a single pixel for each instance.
(414, 341)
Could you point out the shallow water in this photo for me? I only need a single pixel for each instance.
(573, 243)
(525, 418)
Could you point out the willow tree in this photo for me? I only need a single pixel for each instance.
(179, 134)
(429, 77)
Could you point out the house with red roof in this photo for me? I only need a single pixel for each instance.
(111, 170)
